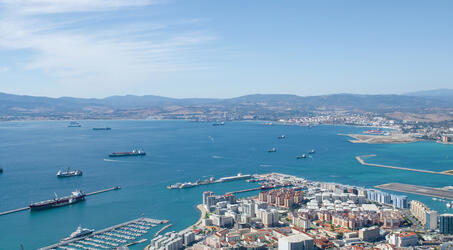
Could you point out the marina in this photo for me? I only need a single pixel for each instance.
(112, 237)
(420, 190)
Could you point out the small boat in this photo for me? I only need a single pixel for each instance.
(69, 173)
(218, 124)
(448, 205)
(106, 128)
(80, 232)
(272, 150)
(74, 125)
(1, 170)
(303, 156)
(281, 137)
(434, 199)
(312, 151)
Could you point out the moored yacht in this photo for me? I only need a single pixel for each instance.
(80, 232)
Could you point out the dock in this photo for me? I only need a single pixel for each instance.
(245, 190)
(162, 229)
(258, 188)
(112, 237)
(14, 211)
(88, 194)
(361, 161)
(420, 190)
(103, 191)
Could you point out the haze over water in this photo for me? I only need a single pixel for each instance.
(177, 151)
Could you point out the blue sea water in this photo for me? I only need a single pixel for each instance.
(32, 152)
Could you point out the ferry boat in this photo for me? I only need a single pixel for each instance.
(281, 137)
(74, 125)
(69, 173)
(106, 128)
(272, 150)
(134, 152)
(75, 197)
(303, 156)
(80, 232)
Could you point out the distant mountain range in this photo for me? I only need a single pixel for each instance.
(14, 107)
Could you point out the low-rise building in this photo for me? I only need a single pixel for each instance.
(369, 234)
(404, 239)
(296, 242)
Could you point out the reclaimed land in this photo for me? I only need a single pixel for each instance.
(381, 139)
(361, 161)
(420, 190)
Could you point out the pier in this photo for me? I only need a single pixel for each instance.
(115, 235)
(361, 161)
(420, 190)
(245, 190)
(162, 229)
(87, 194)
(258, 188)
(103, 191)
(14, 211)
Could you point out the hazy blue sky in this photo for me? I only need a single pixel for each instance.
(207, 48)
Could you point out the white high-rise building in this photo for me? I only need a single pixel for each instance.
(296, 242)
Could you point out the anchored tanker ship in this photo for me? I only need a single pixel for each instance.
(132, 153)
(75, 197)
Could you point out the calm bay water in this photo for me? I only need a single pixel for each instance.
(32, 152)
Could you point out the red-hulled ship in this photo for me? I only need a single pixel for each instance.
(75, 197)
(132, 153)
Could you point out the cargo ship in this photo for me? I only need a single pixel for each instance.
(134, 152)
(75, 197)
(106, 128)
(69, 173)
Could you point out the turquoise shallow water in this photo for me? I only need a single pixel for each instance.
(178, 151)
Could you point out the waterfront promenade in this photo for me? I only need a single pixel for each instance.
(361, 161)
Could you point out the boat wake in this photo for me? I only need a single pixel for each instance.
(217, 157)
(109, 160)
(212, 139)
(265, 165)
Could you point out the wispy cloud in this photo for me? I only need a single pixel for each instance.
(73, 51)
(4, 69)
(62, 6)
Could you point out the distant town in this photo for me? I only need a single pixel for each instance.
(404, 118)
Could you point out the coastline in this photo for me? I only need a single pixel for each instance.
(202, 210)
